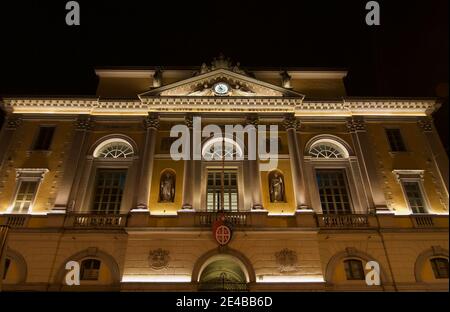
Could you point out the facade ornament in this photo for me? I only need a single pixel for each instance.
(159, 258)
(351, 251)
(290, 122)
(157, 78)
(84, 123)
(425, 124)
(355, 125)
(438, 250)
(167, 187)
(13, 122)
(152, 121)
(276, 187)
(286, 260)
(285, 80)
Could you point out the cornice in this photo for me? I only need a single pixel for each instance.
(296, 105)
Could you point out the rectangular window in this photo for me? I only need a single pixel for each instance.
(440, 267)
(109, 187)
(7, 265)
(395, 140)
(354, 269)
(25, 196)
(214, 190)
(90, 270)
(44, 138)
(333, 192)
(414, 196)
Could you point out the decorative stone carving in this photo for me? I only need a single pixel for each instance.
(276, 187)
(157, 78)
(290, 122)
(13, 122)
(425, 124)
(285, 80)
(351, 251)
(167, 187)
(159, 258)
(354, 125)
(151, 121)
(286, 260)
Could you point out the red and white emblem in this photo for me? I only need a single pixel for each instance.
(222, 232)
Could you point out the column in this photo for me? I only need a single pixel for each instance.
(290, 124)
(253, 169)
(3, 240)
(72, 164)
(12, 122)
(363, 150)
(151, 124)
(189, 164)
(437, 152)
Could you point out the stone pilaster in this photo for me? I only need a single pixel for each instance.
(12, 123)
(372, 185)
(253, 169)
(290, 124)
(189, 169)
(151, 125)
(83, 124)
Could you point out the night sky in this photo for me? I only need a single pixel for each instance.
(406, 56)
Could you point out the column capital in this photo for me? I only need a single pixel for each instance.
(151, 121)
(290, 122)
(425, 124)
(356, 124)
(252, 119)
(84, 123)
(13, 121)
(189, 120)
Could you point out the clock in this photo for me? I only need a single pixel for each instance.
(221, 88)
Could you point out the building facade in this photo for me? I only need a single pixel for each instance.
(93, 180)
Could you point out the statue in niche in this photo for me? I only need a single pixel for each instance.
(276, 187)
(167, 187)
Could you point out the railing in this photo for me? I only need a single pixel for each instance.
(422, 221)
(343, 221)
(234, 218)
(222, 286)
(17, 221)
(96, 221)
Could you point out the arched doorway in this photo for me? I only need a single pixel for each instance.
(223, 275)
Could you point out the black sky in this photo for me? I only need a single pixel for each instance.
(407, 56)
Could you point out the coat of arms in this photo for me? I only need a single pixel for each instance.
(159, 258)
(286, 259)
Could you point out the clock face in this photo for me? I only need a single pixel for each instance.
(221, 88)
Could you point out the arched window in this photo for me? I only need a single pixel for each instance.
(218, 148)
(440, 267)
(89, 270)
(114, 148)
(354, 269)
(326, 148)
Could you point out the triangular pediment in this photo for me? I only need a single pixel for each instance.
(237, 85)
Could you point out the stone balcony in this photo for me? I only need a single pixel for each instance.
(250, 219)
